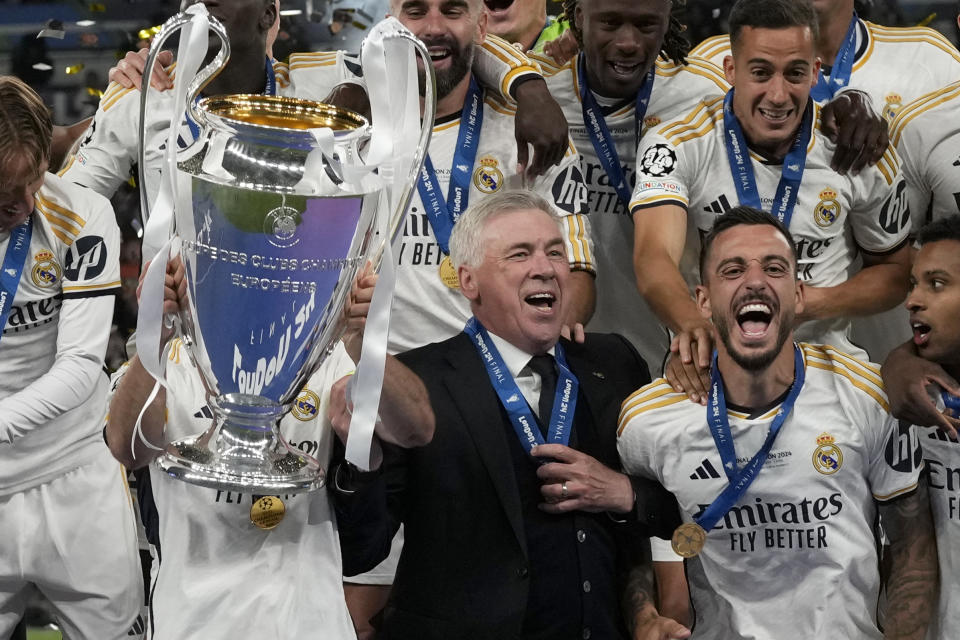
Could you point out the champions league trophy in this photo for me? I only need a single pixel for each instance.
(275, 207)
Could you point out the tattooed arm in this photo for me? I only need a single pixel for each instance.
(913, 583)
(643, 620)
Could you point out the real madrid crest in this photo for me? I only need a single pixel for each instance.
(827, 210)
(46, 272)
(306, 405)
(487, 177)
(827, 457)
(891, 107)
(651, 121)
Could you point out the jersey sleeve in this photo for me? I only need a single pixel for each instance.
(906, 134)
(109, 147)
(499, 66)
(91, 260)
(896, 457)
(564, 187)
(881, 218)
(312, 76)
(660, 174)
(636, 430)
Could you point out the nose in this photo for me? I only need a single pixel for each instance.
(627, 40)
(914, 301)
(777, 89)
(432, 23)
(542, 266)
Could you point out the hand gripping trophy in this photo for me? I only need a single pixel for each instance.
(273, 209)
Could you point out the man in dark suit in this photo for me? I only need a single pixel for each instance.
(517, 526)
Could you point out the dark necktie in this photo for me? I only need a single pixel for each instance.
(547, 370)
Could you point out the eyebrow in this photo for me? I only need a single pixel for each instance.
(740, 261)
(929, 273)
(796, 61)
(553, 242)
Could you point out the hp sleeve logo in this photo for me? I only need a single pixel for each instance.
(86, 259)
(903, 452)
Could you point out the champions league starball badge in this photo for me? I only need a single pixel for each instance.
(688, 540)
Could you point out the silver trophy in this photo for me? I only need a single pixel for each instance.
(275, 212)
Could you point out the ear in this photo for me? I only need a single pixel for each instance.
(799, 299)
(817, 63)
(468, 283)
(703, 302)
(269, 15)
(728, 69)
(481, 33)
(578, 17)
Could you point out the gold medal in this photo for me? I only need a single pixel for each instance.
(267, 512)
(448, 275)
(688, 539)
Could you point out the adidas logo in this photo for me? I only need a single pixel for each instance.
(956, 162)
(704, 471)
(938, 434)
(138, 627)
(205, 412)
(719, 205)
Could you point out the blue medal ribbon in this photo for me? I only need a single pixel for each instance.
(442, 212)
(719, 423)
(599, 133)
(270, 89)
(742, 168)
(519, 412)
(842, 66)
(13, 261)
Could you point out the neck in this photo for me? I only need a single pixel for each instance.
(528, 37)
(239, 75)
(453, 102)
(755, 389)
(833, 30)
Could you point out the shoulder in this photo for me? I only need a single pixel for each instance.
(854, 382)
(69, 210)
(650, 404)
(548, 67)
(924, 39)
(712, 47)
(699, 121)
(435, 354)
(697, 72)
(924, 108)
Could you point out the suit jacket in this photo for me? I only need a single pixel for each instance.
(463, 572)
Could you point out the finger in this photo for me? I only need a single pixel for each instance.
(558, 452)
(880, 145)
(685, 349)
(565, 331)
(679, 379)
(579, 335)
(702, 385)
(704, 349)
(945, 381)
(828, 123)
(523, 155)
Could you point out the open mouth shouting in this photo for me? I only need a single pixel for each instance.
(754, 318)
(543, 301)
(625, 69)
(921, 332)
(775, 116)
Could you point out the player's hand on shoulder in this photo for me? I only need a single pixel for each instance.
(906, 379)
(128, 72)
(573, 333)
(660, 628)
(562, 48)
(541, 124)
(688, 365)
(860, 133)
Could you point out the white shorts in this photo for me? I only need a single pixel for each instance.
(73, 539)
(383, 573)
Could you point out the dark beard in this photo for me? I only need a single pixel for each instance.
(448, 79)
(754, 362)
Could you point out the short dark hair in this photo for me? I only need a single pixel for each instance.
(943, 229)
(739, 216)
(772, 14)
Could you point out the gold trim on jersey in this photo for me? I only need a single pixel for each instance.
(173, 352)
(889, 164)
(711, 47)
(639, 401)
(90, 287)
(699, 67)
(896, 493)
(577, 236)
(913, 34)
(69, 164)
(700, 121)
(855, 371)
(311, 60)
(548, 66)
(61, 219)
(116, 91)
(920, 106)
(499, 106)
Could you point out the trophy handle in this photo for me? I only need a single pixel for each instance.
(203, 77)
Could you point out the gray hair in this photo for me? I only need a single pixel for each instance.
(466, 243)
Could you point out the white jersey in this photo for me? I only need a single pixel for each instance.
(942, 456)
(797, 551)
(73, 259)
(221, 577)
(893, 65)
(425, 308)
(926, 134)
(676, 89)
(685, 163)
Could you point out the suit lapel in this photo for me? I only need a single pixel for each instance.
(479, 407)
(595, 390)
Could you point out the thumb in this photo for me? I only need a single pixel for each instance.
(165, 57)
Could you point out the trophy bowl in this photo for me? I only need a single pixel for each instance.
(275, 212)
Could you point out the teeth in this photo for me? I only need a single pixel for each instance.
(762, 308)
(775, 114)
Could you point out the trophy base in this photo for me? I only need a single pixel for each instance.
(243, 451)
(278, 472)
